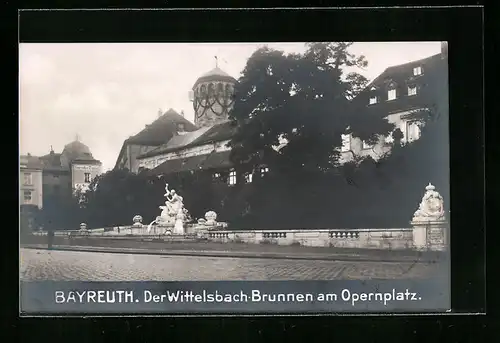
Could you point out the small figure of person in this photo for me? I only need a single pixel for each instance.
(50, 238)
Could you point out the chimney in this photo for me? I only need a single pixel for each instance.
(182, 114)
(29, 154)
(160, 113)
(444, 50)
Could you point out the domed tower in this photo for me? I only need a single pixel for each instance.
(83, 167)
(74, 151)
(212, 97)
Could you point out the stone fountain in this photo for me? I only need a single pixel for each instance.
(173, 217)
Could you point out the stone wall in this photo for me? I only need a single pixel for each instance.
(386, 239)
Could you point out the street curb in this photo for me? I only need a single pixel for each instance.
(224, 254)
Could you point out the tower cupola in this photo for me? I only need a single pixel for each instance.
(212, 97)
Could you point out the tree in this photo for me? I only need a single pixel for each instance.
(300, 99)
(115, 197)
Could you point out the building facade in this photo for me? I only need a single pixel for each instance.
(401, 94)
(31, 181)
(66, 172)
(151, 137)
(404, 95)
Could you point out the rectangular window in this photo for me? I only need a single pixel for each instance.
(412, 90)
(232, 178)
(373, 100)
(346, 143)
(367, 145)
(413, 131)
(28, 179)
(263, 171)
(87, 177)
(27, 197)
(417, 71)
(391, 94)
(248, 178)
(216, 176)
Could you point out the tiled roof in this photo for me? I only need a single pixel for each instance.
(52, 162)
(401, 77)
(219, 132)
(161, 130)
(216, 133)
(177, 142)
(213, 160)
(30, 162)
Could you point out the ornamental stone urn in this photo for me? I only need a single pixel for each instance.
(137, 221)
(211, 218)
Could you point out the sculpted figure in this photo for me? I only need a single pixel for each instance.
(431, 207)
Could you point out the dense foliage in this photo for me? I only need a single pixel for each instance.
(305, 99)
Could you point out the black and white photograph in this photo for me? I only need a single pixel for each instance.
(182, 162)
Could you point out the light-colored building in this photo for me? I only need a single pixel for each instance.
(74, 168)
(403, 94)
(400, 94)
(31, 181)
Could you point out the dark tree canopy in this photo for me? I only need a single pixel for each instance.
(301, 99)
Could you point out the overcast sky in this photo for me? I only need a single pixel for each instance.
(108, 92)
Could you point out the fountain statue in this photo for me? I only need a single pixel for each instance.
(431, 207)
(173, 215)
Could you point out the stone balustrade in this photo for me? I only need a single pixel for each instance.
(348, 238)
(372, 238)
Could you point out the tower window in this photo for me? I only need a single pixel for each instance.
(28, 179)
(220, 88)
(27, 197)
(373, 100)
(417, 71)
(391, 94)
(87, 177)
(211, 89)
(412, 90)
(232, 178)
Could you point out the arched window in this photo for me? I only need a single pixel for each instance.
(220, 88)
(203, 90)
(211, 89)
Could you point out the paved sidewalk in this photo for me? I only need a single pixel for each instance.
(250, 251)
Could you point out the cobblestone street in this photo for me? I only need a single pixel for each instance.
(90, 266)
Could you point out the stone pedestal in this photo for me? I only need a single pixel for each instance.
(430, 235)
(164, 229)
(178, 227)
